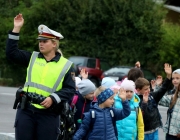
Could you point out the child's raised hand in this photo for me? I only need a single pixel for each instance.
(145, 97)
(153, 84)
(168, 70)
(84, 74)
(122, 94)
(137, 64)
(159, 81)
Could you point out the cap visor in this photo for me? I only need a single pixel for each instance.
(42, 38)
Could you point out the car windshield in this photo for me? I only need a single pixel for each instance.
(77, 61)
(118, 70)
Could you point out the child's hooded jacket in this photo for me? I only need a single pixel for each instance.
(102, 128)
(132, 127)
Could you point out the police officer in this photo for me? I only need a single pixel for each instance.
(49, 74)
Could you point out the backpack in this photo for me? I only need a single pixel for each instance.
(93, 121)
(67, 124)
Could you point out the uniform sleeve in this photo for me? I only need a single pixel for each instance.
(160, 93)
(14, 54)
(122, 113)
(140, 125)
(84, 128)
(68, 88)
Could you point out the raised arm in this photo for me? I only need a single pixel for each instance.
(160, 93)
(12, 52)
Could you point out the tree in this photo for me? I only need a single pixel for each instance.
(118, 30)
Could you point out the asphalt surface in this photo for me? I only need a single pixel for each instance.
(7, 113)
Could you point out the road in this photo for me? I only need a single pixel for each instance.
(7, 114)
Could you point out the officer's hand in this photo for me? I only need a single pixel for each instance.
(18, 23)
(47, 102)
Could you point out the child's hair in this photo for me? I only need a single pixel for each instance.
(99, 90)
(102, 94)
(134, 74)
(175, 97)
(141, 82)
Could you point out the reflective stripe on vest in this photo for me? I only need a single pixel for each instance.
(43, 88)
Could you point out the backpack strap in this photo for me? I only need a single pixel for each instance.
(74, 101)
(114, 123)
(93, 117)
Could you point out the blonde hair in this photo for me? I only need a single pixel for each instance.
(99, 90)
(57, 46)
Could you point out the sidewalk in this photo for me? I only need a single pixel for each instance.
(7, 136)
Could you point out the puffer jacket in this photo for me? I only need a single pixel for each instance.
(172, 126)
(102, 128)
(132, 127)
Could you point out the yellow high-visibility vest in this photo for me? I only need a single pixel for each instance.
(45, 78)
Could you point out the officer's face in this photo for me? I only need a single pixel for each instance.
(47, 46)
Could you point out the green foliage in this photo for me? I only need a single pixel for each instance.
(6, 81)
(170, 45)
(120, 31)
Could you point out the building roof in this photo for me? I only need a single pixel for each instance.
(173, 8)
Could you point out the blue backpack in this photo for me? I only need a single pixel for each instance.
(93, 117)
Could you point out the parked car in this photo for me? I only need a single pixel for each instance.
(120, 72)
(94, 66)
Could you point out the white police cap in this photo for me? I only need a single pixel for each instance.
(46, 33)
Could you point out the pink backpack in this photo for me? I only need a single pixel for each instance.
(74, 101)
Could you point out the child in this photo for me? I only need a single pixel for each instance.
(172, 125)
(108, 82)
(132, 127)
(149, 104)
(85, 95)
(175, 82)
(172, 101)
(103, 128)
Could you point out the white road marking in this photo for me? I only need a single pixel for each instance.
(8, 94)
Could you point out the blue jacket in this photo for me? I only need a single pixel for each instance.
(128, 127)
(103, 128)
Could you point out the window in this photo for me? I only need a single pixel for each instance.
(77, 61)
(91, 63)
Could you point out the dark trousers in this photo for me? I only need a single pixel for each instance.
(36, 126)
(171, 137)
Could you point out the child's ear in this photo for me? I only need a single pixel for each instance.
(138, 90)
